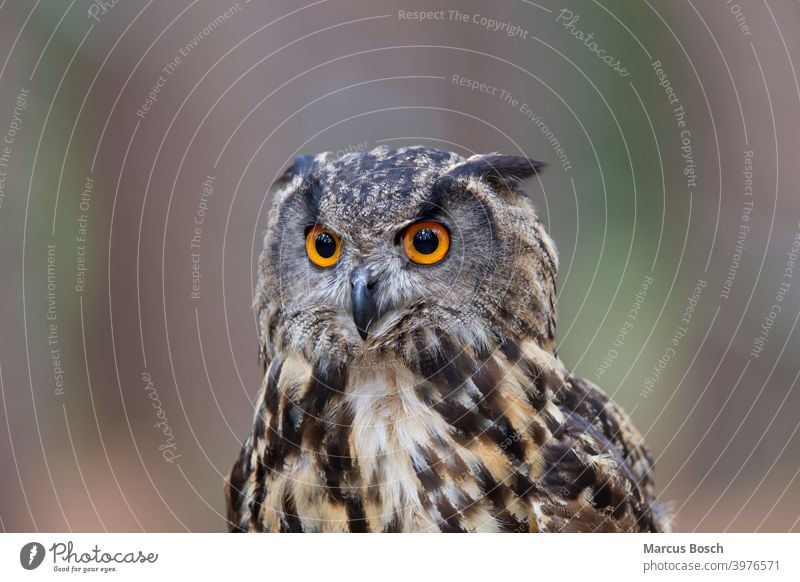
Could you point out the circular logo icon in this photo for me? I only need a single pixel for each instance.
(31, 555)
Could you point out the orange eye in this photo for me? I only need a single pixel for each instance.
(426, 242)
(323, 246)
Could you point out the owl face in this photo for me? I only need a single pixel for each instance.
(376, 251)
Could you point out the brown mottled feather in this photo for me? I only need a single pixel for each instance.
(496, 465)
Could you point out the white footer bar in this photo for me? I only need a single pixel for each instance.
(413, 558)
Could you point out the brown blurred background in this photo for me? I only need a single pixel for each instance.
(143, 139)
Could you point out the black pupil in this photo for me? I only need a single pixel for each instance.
(325, 245)
(426, 241)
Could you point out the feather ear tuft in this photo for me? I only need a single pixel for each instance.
(499, 170)
(300, 166)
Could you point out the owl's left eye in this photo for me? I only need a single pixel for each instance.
(323, 246)
(426, 242)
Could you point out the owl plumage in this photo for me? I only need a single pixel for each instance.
(406, 389)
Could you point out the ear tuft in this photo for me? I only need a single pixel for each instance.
(300, 166)
(499, 170)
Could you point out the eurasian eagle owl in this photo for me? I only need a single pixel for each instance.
(406, 308)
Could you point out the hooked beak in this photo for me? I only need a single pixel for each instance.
(364, 309)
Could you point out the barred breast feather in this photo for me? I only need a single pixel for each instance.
(462, 440)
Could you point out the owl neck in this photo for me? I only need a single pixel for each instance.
(306, 400)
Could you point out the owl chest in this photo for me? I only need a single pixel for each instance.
(385, 462)
(360, 471)
(394, 437)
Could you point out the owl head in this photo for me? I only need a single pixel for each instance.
(388, 251)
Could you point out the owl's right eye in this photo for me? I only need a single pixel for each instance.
(323, 246)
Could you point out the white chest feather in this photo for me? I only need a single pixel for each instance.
(391, 428)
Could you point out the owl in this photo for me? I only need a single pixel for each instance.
(406, 311)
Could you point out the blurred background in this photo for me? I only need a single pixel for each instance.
(139, 140)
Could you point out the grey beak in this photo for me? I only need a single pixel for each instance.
(364, 310)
